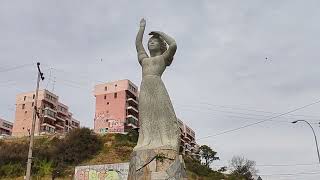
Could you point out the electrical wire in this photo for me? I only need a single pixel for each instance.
(259, 122)
(16, 67)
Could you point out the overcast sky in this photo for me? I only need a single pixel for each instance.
(237, 62)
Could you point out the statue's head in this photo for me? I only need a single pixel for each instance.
(156, 43)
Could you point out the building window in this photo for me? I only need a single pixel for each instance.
(105, 96)
(24, 98)
(106, 88)
(107, 103)
(33, 96)
(32, 104)
(23, 106)
(115, 85)
(25, 112)
(115, 95)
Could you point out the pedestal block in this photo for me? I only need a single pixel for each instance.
(156, 164)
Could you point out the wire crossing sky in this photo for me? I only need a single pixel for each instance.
(254, 59)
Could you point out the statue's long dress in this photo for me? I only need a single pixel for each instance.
(158, 123)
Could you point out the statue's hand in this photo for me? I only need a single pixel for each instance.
(157, 33)
(143, 23)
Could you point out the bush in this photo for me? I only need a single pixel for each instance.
(15, 153)
(133, 136)
(78, 145)
(11, 170)
(199, 169)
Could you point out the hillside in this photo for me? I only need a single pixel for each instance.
(56, 156)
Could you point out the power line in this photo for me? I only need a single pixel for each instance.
(286, 165)
(291, 174)
(16, 67)
(259, 122)
(253, 110)
(280, 165)
(242, 117)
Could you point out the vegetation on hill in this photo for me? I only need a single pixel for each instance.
(57, 157)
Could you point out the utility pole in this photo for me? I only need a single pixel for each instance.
(35, 114)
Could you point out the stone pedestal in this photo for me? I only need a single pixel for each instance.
(156, 164)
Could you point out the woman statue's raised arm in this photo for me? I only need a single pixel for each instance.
(139, 46)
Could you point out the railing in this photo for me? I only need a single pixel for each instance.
(50, 113)
(133, 100)
(130, 121)
(131, 107)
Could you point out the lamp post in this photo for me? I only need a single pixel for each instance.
(315, 137)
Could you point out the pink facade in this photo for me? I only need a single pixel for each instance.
(117, 112)
(54, 116)
(5, 127)
(116, 107)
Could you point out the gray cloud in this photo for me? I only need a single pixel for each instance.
(222, 46)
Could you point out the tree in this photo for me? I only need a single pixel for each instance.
(78, 145)
(242, 168)
(208, 155)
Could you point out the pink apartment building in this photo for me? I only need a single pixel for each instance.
(116, 107)
(55, 116)
(117, 112)
(5, 127)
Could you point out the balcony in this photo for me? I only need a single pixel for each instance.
(132, 121)
(60, 118)
(132, 100)
(187, 138)
(60, 125)
(193, 142)
(133, 109)
(62, 112)
(74, 125)
(49, 113)
(51, 101)
(47, 128)
(131, 116)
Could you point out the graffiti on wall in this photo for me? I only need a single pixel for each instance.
(117, 171)
(108, 123)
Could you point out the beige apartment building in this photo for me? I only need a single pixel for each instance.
(188, 143)
(55, 116)
(5, 127)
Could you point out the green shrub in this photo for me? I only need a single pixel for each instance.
(12, 170)
(14, 152)
(78, 145)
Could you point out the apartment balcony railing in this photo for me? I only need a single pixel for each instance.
(74, 125)
(132, 121)
(49, 113)
(132, 100)
(187, 138)
(60, 118)
(45, 127)
(192, 142)
(62, 112)
(60, 125)
(132, 108)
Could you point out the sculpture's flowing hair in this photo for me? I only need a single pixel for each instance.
(163, 44)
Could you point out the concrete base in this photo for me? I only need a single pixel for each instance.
(156, 164)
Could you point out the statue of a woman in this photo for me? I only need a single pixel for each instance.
(158, 122)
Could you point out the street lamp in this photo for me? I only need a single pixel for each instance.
(315, 137)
